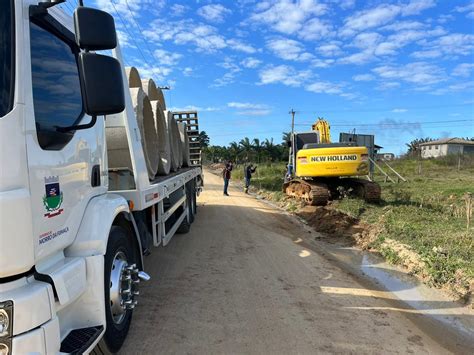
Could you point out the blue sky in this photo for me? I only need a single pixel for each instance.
(396, 69)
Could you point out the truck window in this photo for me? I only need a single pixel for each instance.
(56, 87)
(6, 57)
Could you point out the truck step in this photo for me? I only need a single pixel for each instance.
(79, 340)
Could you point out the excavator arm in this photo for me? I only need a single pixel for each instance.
(324, 130)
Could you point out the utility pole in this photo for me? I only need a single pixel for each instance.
(292, 159)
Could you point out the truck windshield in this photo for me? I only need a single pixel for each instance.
(6, 57)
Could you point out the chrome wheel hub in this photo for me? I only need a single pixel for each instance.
(124, 280)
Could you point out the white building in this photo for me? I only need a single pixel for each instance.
(443, 147)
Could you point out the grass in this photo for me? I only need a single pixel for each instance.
(427, 213)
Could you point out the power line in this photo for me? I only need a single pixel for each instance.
(382, 124)
(131, 36)
(139, 29)
(384, 109)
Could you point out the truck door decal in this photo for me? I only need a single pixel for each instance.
(54, 197)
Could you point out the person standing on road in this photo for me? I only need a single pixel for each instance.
(226, 175)
(248, 171)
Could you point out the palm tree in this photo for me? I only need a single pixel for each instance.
(270, 148)
(257, 146)
(234, 150)
(246, 146)
(204, 139)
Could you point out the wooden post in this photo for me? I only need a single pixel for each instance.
(459, 162)
(468, 210)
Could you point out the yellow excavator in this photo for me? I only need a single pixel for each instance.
(319, 171)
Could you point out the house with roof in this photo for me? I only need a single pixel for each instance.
(446, 146)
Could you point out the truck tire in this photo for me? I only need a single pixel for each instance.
(119, 250)
(185, 226)
(192, 201)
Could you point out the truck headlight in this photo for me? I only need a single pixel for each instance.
(6, 320)
(4, 349)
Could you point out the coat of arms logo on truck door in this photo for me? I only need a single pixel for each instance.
(54, 197)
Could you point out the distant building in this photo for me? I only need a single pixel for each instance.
(446, 146)
(385, 156)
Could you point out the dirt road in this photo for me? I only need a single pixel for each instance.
(240, 282)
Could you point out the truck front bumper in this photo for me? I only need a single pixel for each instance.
(34, 327)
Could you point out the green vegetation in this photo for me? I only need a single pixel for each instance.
(427, 213)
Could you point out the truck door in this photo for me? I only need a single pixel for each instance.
(65, 166)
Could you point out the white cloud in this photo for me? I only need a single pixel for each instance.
(330, 49)
(251, 62)
(419, 73)
(382, 15)
(363, 77)
(188, 71)
(229, 76)
(286, 16)
(468, 9)
(283, 74)
(399, 110)
(448, 45)
(178, 10)
(366, 19)
(315, 29)
(288, 49)
(322, 87)
(414, 7)
(204, 37)
(250, 109)
(262, 112)
(123, 38)
(195, 108)
(463, 70)
(240, 46)
(246, 105)
(166, 58)
(213, 12)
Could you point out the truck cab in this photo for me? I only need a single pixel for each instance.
(56, 215)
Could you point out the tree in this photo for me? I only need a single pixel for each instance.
(204, 139)
(257, 146)
(246, 146)
(414, 146)
(234, 150)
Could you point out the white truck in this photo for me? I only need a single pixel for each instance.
(72, 233)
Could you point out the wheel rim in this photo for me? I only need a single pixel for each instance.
(119, 286)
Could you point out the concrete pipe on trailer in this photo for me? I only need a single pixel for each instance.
(153, 91)
(117, 148)
(175, 141)
(183, 135)
(164, 148)
(146, 124)
(133, 77)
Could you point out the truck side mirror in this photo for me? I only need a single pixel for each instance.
(102, 88)
(95, 29)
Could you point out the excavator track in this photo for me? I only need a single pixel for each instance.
(313, 192)
(367, 190)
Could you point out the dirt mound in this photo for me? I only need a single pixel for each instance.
(335, 225)
(217, 166)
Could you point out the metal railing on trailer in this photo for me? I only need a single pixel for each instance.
(190, 118)
(154, 197)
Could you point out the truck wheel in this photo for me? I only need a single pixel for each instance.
(191, 204)
(118, 284)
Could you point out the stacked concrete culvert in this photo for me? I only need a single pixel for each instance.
(133, 77)
(183, 135)
(146, 124)
(164, 147)
(173, 132)
(118, 151)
